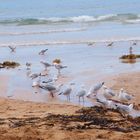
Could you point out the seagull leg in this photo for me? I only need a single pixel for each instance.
(83, 99)
(79, 99)
(52, 94)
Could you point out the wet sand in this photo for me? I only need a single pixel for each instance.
(87, 65)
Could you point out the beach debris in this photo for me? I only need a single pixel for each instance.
(130, 58)
(9, 64)
(42, 52)
(56, 61)
(123, 96)
(13, 49)
(83, 119)
(94, 89)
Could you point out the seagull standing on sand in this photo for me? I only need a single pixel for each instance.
(51, 88)
(108, 93)
(103, 101)
(42, 52)
(125, 108)
(13, 49)
(94, 89)
(81, 93)
(123, 96)
(46, 65)
(59, 67)
(67, 92)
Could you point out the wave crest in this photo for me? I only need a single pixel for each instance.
(78, 19)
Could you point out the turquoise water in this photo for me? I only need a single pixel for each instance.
(36, 22)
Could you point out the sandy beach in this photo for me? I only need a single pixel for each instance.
(70, 70)
(25, 120)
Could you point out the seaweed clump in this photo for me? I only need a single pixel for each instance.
(129, 58)
(57, 61)
(9, 64)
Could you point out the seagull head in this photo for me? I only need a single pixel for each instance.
(121, 89)
(103, 83)
(130, 107)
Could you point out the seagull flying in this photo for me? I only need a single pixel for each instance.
(13, 49)
(42, 52)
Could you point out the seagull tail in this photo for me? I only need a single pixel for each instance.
(60, 93)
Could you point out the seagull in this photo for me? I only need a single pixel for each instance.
(37, 82)
(46, 65)
(42, 52)
(110, 44)
(51, 80)
(134, 43)
(125, 108)
(107, 103)
(108, 93)
(94, 89)
(81, 93)
(67, 92)
(34, 75)
(123, 96)
(91, 44)
(28, 65)
(13, 49)
(51, 88)
(59, 67)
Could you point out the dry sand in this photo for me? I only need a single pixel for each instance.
(22, 120)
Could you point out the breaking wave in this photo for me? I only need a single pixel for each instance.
(124, 18)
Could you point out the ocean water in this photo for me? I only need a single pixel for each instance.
(42, 22)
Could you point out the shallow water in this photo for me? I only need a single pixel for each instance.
(86, 65)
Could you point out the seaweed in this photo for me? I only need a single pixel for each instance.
(83, 119)
(9, 64)
(58, 61)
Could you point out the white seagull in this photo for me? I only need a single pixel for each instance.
(108, 93)
(67, 92)
(94, 89)
(42, 52)
(81, 93)
(125, 108)
(123, 96)
(51, 88)
(36, 83)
